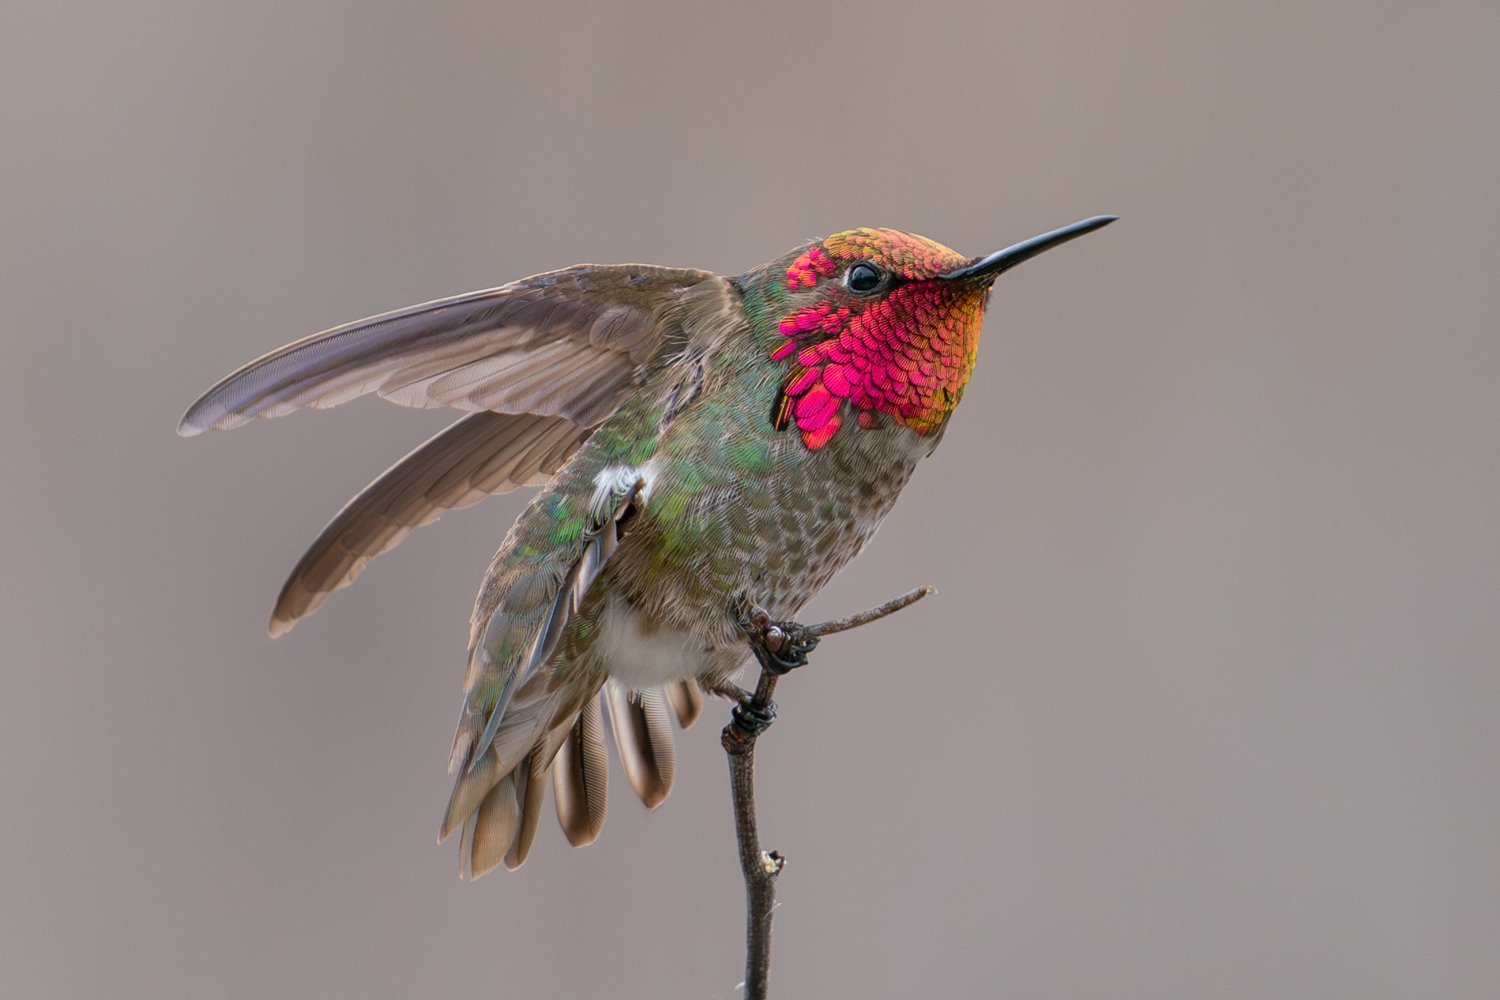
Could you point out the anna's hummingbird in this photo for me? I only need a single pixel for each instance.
(708, 444)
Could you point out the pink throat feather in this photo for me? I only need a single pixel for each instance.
(907, 354)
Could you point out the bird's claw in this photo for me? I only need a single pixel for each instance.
(753, 719)
(787, 645)
(779, 646)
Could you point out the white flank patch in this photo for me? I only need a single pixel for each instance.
(616, 480)
(641, 658)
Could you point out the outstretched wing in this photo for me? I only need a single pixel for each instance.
(555, 354)
(568, 343)
(481, 455)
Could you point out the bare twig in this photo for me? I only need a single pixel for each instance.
(890, 607)
(778, 647)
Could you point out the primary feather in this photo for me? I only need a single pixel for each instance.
(481, 455)
(566, 343)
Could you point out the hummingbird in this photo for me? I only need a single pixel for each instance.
(705, 444)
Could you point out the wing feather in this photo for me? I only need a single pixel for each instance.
(540, 345)
(478, 456)
(508, 709)
(495, 826)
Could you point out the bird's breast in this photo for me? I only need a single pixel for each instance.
(736, 513)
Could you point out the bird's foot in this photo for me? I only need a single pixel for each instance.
(726, 689)
(753, 718)
(779, 646)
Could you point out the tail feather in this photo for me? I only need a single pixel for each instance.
(498, 801)
(580, 778)
(687, 701)
(533, 789)
(643, 736)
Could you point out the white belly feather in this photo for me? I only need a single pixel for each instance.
(642, 658)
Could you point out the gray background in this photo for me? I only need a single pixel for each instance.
(1206, 707)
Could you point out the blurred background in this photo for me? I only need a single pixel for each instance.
(1205, 708)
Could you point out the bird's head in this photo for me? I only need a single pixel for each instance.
(879, 324)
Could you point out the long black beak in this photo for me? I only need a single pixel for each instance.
(996, 263)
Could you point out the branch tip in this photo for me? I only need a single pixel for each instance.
(873, 614)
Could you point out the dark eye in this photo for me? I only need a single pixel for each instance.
(864, 277)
